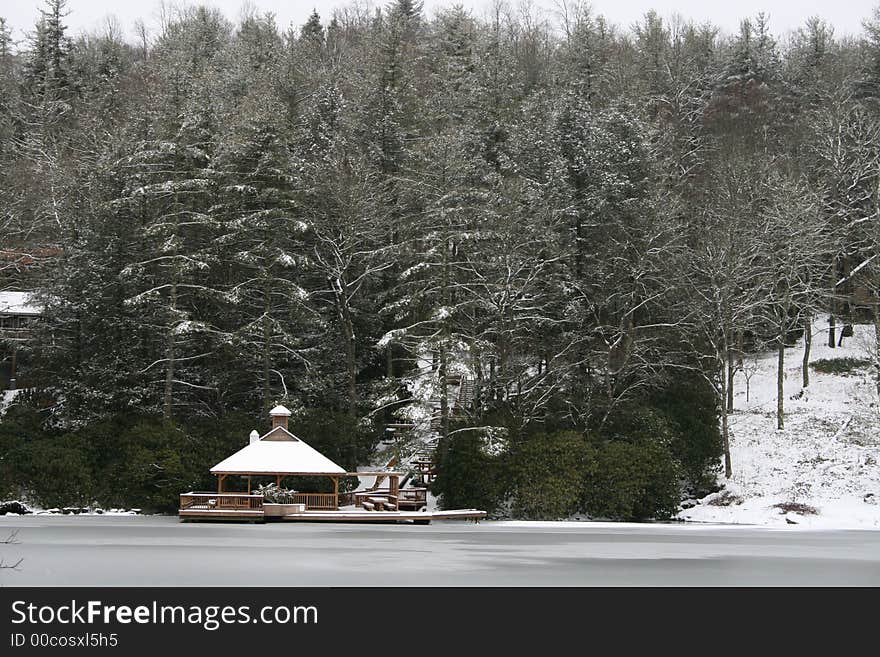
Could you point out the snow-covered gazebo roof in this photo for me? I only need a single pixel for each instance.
(18, 303)
(278, 452)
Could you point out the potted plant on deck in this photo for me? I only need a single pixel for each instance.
(279, 502)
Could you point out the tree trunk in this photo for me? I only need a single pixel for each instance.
(730, 375)
(877, 340)
(169, 357)
(341, 288)
(267, 345)
(578, 246)
(491, 397)
(478, 382)
(780, 378)
(444, 403)
(831, 326)
(808, 345)
(725, 430)
(443, 355)
(267, 365)
(722, 398)
(351, 366)
(725, 434)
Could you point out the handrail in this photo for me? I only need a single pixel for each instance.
(221, 501)
(322, 501)
(224, 493)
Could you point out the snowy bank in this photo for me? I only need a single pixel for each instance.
(827, 458)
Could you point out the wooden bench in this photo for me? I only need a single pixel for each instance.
(369, 506)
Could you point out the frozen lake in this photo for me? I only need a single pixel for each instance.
(160, 551)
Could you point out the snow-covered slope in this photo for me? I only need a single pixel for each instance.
(828, 455)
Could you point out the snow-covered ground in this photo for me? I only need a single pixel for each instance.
(828, 455)
(6, 397)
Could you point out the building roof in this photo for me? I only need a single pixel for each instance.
(20, 258)
(278, 452)
(279, 410)
(18, 303)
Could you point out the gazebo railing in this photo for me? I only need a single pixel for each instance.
(245, 502)
(316, 501)
(220, 502)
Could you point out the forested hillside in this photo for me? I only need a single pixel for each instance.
(598, 223)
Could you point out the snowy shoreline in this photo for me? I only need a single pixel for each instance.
(538, 525)
(825, 460)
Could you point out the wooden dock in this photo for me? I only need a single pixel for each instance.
(356, 515)
(343, 515)
(363, 506)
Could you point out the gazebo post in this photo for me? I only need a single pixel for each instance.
(220, 483)
(249, 484)
(278, 481)
(394, 488)
(335, 493)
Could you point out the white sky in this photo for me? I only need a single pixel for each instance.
(785, 15)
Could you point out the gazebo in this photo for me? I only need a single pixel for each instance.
(279, 453)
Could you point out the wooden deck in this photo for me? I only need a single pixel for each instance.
(219, 514)
(356, 515)
(370, 508)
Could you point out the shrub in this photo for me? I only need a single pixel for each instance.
(796, 507)
(841, 366)
(156, 461)
(19, 426)
(635, 423)
(724, 498)
(468, 477)
(690, 407)
(56, 474)
(632, 481)
(548, 475)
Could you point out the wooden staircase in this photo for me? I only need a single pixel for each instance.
(423, 463)
(466, 391)
(459, 402)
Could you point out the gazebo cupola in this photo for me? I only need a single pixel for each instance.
(279, 416)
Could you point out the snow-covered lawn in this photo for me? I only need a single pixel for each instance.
(828, 455)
